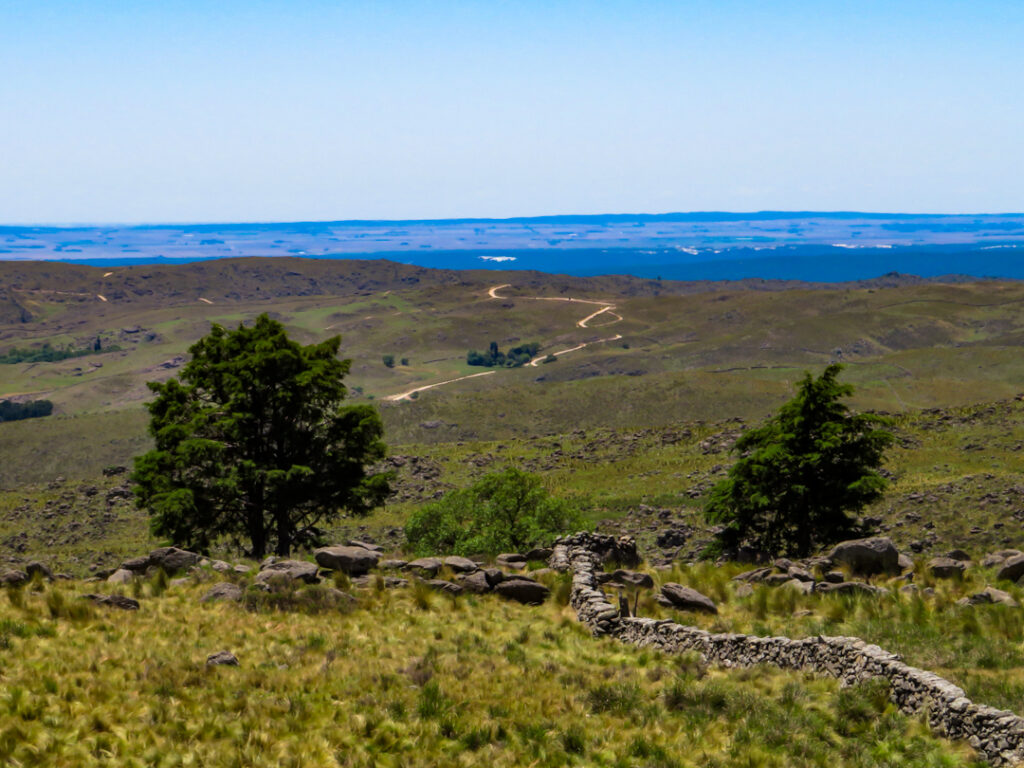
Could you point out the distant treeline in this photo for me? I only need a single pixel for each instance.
(495, 358)
(48, 353)
(12, 411)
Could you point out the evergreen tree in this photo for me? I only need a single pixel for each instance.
(800, 473)
(252, 442)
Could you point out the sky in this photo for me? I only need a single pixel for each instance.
(266, 110)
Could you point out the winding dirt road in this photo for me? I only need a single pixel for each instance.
(605, 307)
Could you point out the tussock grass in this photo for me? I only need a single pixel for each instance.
(396, 682)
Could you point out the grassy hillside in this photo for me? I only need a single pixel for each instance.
(404, 677)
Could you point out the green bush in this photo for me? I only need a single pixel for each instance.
(506, 511)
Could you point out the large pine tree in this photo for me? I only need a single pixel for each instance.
(253, 443)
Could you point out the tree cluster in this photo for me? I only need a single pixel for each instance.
(495, 358)
(47, 353)
(33, 409)
(799, 474)
(252, 442)
(507, 511)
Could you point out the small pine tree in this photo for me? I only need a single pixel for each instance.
(800, 473)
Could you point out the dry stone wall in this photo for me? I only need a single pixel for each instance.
(996, 734)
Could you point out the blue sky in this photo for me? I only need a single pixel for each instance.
(228, 111)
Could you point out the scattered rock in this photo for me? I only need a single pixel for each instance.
(14, 578)
(744, 590)
(628, 578)
(946, 567)
(352, 560)
(852, 588)
(687, 599)
(115, 601)
(475, 582)
(365, 545)
(42, 569)
(460, 564)
(989, 595)
(905, 562)
(523, 590)
(511, 560)
(223, 591)
(392, 564)
(539, 553)
(1012, 568)
(172, 559)
(222, 659)
(121, 576)
(444, 586)
(834, 577)
(867, 557)
(494, 576)
(288, 570)
(426, 566)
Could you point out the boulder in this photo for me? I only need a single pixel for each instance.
(354, 561)
(136, 564)
(989, 595)
(13, 578)
(632, 578)
(242, 568)
(494, 576)
(392, 564)
(511, 560)
(365, 545)
(801, 586)
(121, 576)
(223, 591)
(775, 579)
(834, 577)
(946, 567)
(222, 659)
(1012, 568)
(757, 574)
(475, 582)
(426, 566)
(800, 574)
(852, 588)
(172, 559)
(441, 585)
(992, 560)
(220, 566)
(687, 599)
(523, 590)
(867, 557)
(958, 554)
(905, 562)
(539, 553)
(288, 570)
(460, 564)
(743, 590)
(114, 601)
(42, 569)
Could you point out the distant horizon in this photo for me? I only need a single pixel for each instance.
(706, 215)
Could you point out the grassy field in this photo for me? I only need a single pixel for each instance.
(404, 678)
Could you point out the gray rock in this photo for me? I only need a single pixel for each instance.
(800, 574)
(539, 553)
(444, 586)
(114, 601)
(801, 586)
(852, 588)
(460, 564)
(136, 564)
(687, 598)
(523, 590)
(121, 576)
(743, 590)
(41, 568)
(240, 568)
(866, 557)
(288, 570)
(834, 577)
(392, 564)
(220, 566)
(511, 560)
(991, 561)
(223, 591)
(365, 545)
(222, 659)
(1012, 568)
(172, 559)
(13, 578)
(958, 554)
(475, 582)
(757, 574)
(494, 576)
(353, 561)
(632, 578)
(427, 566)
(905, 562)
(776, 579)
(946, 568)
(989, 595)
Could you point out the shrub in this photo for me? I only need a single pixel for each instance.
(505, 511)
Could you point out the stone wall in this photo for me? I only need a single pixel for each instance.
(996, 734)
